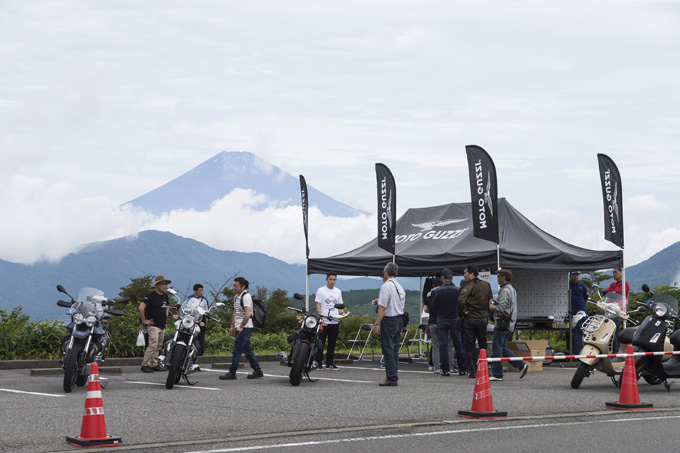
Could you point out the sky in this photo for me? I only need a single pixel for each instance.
(101, 102)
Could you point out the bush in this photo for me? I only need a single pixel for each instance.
(22, 339)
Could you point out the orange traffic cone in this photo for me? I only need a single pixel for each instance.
(482, 405)
(629, 398)
(93, 431)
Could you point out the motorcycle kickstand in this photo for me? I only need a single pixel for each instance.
(616, 383)
(310, 379)
(667, 385)
(186, 379)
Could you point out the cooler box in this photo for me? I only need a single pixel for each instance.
(528, 348)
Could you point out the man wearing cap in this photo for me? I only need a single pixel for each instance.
(505, 307)
(579, 310)
(445, 302)
(154, 317)
(389, 322)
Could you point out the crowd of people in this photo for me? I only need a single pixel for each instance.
(457, 323)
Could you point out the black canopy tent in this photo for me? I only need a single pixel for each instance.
(432, 238)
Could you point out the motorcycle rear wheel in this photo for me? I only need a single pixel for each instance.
(71, 367)
(176, 359)
(581, 372)
(299, 360)
(652, 380)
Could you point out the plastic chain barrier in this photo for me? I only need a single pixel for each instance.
(582, 356)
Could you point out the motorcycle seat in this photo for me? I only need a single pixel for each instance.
(626, 335)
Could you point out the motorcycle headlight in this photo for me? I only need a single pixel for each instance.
(660, 310)
(310, 322)
(91, 321)
(78, 318)
(187, 322)
(611, 311)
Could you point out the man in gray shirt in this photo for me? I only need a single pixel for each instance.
(389, 321)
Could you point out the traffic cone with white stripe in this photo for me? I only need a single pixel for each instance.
(629, 398)
(482, 404)
(93, 431)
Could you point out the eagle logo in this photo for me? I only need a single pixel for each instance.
(487, 195)
(427, 226)
(615, 205)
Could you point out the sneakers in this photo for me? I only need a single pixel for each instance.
(445, 373)
(228, 376)
(494, 378)
(430, 368)
(462, 373)
(524, 370)
(332, 367)
(437, 371)
(159, 368)
(147, 369)
(256, 374)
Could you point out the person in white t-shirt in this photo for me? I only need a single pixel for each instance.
(193, 302)
(326, 298)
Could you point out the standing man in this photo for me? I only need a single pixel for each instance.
(154, 318)
(505, 307)
(243, 325)
(445, 301)
(389, 322)
(616, 286)
(432, 327)
(473, 306)
(194, 302)
(326, 298)
(579, 310)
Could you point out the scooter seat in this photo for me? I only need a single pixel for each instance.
(626, 335)
(675, 340)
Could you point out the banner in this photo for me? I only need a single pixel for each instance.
(305, 210)
(387, 208)
(612, 197)
(484, 193)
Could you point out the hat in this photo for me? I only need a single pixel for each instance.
(505, 273)
(446, 273)
(574, 273)
(161, 279)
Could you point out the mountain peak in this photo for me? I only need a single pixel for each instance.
(218, 176)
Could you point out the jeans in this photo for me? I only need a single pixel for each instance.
(390, 334)
(331, 331)
(242, 346)
(577, 338)
(448, 328)
(434, 337)
(474, 331)
(499, 349)
(615, 347)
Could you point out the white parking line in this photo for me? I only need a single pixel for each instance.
(32, 393)
(315, 377)
(176, 386)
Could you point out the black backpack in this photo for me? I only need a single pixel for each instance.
(259, 313)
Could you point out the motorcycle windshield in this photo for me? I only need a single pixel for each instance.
(85, 292)
(664, 298)
(195, 312)
(613, 298)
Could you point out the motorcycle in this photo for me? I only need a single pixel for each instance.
(598, 338)
(306, 343)
(648, 337)
(182, 349)
(88, 337)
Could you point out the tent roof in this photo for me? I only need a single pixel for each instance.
(430, 239)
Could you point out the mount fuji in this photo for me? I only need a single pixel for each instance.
(218, 176)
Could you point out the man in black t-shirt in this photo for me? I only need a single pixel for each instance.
(154, 317)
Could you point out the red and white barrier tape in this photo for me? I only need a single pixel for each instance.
(582, 356)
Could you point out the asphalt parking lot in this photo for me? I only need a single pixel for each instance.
(143, 412)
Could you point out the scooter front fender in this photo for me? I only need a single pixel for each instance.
(590, 350)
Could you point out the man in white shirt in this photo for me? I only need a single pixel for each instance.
(243, 326)
(326, 299)
(389, 322)
(193, 302)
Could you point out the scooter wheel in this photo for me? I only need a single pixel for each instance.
(581, 372)
(652, 380)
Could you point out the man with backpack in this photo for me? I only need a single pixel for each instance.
(242, 325)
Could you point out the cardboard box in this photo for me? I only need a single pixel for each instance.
(528, 348)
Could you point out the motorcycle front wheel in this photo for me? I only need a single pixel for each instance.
(299, 360)
(174, 372)
(71, 367)
(581, 372)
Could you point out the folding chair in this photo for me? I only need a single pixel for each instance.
(404, 331)
(419, 337)
(365, 342)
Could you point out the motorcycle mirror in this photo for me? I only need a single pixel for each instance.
(645, 288)
(298, 296)
(61, 289)
(339, 306)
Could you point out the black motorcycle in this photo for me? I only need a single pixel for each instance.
(305, 343)
(88, 338)
(650, 337)
(182, 349)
